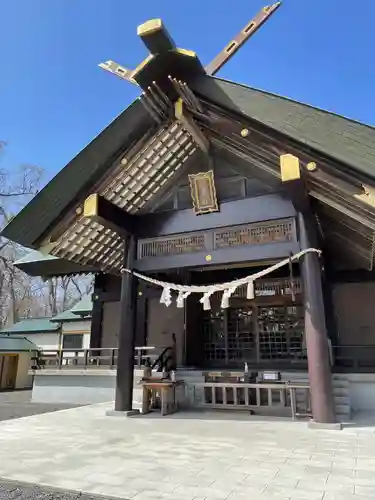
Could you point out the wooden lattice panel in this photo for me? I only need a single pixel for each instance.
(255, 234)
(280, 231)
(172, 246)
(264, 288)
(277, 288)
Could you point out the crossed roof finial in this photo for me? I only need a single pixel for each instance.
(164, 55)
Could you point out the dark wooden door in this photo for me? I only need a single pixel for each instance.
(248, 332)
(193, 338)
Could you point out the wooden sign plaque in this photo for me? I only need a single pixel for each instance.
(203, 192)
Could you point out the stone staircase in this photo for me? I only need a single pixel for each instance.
(190, 378)
(341, 396)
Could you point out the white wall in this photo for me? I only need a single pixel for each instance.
(24, 380)
(45, 341)
(81, 326)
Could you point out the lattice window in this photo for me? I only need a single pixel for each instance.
(281, 332)
(213, 331)
(276, 288)
(172, 246)
(255, 234)
(238, 335)
(241, 340)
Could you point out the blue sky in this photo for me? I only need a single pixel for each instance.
(54, 99)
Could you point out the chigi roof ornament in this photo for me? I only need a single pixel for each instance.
(168, 67)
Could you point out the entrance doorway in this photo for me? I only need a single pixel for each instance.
(257, 334)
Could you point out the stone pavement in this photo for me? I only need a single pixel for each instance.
(186, 457)
(16, 404)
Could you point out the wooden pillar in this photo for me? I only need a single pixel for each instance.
(141, 316)
(97, 313)
(320, 376)
(125, 356)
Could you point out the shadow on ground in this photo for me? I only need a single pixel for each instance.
(17, 404)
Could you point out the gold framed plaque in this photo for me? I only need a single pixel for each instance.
(203, 192)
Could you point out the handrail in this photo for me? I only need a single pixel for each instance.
(164, 362)
(93, 357)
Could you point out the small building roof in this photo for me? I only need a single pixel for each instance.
(34, 325)
(82, 310)
(83, 307)
(16, 344)
(64, 316)
(36, 263)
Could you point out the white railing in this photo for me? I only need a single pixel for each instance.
(255, 396)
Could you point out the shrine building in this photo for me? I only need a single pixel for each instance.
(202, 182)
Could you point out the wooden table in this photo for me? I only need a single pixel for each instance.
(167, 389)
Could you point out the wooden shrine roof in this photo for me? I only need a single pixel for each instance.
(135, 158)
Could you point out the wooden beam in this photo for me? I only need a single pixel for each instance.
(118, 70)
(187, 121)
(100, 210)
(367, 196)
(293, 183)
(222, 257)
(241, 38)
(155, 36)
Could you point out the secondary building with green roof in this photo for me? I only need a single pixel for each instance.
(16, 357)
(69, 329)
(202, 181)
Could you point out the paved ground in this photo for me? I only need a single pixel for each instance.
(186, 458)
(18, 404)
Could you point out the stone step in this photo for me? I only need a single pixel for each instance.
(342, 409)
(340, 379)
(341, 393)
(342, 400)
(340, 385)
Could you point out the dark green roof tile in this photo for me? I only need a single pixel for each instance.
(35, 325)
(84, 306)
(16, 344)
(347, 140)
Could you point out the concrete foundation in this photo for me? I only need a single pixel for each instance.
(80, 387)
(353, 392)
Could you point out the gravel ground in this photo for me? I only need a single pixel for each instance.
(15, 491)
(17, 404)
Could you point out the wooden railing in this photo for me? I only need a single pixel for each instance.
(102, 358)
(255, 396)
